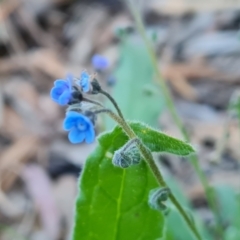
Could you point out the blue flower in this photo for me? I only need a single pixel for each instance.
(81, 128)
(62, 91)
(99, 62)
(85, 82)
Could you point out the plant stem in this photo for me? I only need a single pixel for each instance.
(210, 194)
(92, 101)
(147, 155)
(157, 173)
(223, 141)
(113, 102)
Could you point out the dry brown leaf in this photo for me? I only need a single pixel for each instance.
(65, 191)
(181, 85)
(7, 7)
(12, 124)
(195, 69)
(44, 60)
(40, 189)
(49, 110)
(196, 191)
(48, 62)
(183, 6)
(8, 65)
(84, 43)
(179, 74)
(27, 20)
(1, 106)
(106, 34)
(8, 208)
(22, 90)
(215, 131)
(12, 159)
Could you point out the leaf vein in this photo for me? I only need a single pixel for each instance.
(119, 203)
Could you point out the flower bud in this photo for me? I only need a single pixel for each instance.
(99, 62)
(96, 88)
(157, 197)
(127, 155)
(77, 97)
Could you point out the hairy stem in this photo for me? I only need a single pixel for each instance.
(210, 194)
(147, 155)
(113, 102)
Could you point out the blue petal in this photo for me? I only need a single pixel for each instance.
(56, 93)
(84, 75)
(76, 136)
(85, 81)
(64, 98)
(61, 83)
(86, 88)
(90, 135)
(74, 114)
(86, 120)
(70, 81)
(69, 123)
(72, 119)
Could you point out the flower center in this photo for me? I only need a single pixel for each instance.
(82, 126)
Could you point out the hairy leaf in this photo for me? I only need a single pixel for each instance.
(157, 141)
(112, 202)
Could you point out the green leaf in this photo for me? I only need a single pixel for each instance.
(178, 227)
(232, 233)
(155, 140)
(135, 92)
(229, 205)
(112, 202)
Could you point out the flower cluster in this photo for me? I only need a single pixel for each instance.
(79, 120)
(81, 115)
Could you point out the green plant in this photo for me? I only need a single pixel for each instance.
(127, 146)
(122, 191)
